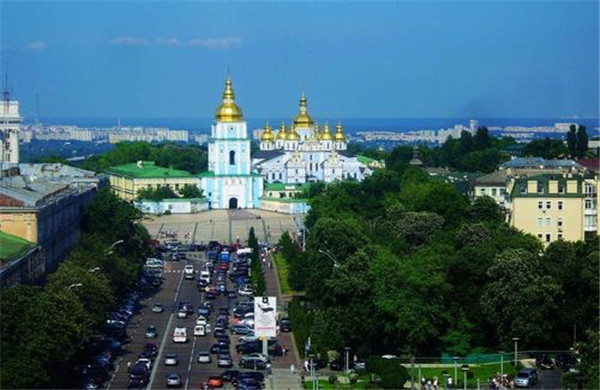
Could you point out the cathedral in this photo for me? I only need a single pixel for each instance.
(230, 182)
(305, 152)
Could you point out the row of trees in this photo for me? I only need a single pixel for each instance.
(44, 329)
(188, 191)
(191, 158)
(402, 263)
(256, 270)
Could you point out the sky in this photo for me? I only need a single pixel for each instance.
(354, 59)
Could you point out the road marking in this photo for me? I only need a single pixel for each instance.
(187, 381)
(165, 336)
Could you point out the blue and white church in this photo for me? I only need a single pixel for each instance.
(230, 182)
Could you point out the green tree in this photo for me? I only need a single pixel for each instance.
(485, 209)
(189, 191)
(417, 227)
(156, 194)
(582, 141)
(482, 139)
(520, 301)
(546, 148)
(572, 141)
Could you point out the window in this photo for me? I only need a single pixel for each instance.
(232, 157)
(561, 188)
(540, 188)
(589, 221)
(176, 186)
(483, 191)
(589, 205)
(333, 171)
(540, 236)
(548, 221)
(501, 191)
(548, 237)
(540, 222)
(559, 204)
(540, 205)
(548, 204)
(280, 176)
(523, 189)
(589, 189)
(559, 236)
(559, 222)
(494, 192)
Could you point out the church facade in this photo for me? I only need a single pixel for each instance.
(304, 153)
(230, 182)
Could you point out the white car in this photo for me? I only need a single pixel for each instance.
(204, 357)
(182, 313)
(171, 359)
(201, 321)
(189, 271)
(200, 330)
(246, 290)
(180, 335)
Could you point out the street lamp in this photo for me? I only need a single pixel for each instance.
(95, 269)
(516, 340)
(502, 364)
(73, 285)
(311, 356)
(347, 349)
(446, 376)
(465, 369)
(412, 373)
(116, 243)
(455, 369)
(332, 257)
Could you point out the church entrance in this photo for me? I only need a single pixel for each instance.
(233, 203)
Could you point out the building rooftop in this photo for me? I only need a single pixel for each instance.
(539, 162)
(35, 185)
(497, 177)
(12, 247)
(519, 190)
(267, 154)
(286, 187)
(147, 170)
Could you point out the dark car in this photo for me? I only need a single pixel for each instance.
(219, 348)
(248, 384)
(229, 375)
(224, 360)
(139, 375)
(285, 325)
(544, 362)
(231, 294)
(254, 364)
(258, 376)
(210, 295)
(240, 329)
(565, 361)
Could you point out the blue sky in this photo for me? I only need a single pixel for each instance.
(354, 59)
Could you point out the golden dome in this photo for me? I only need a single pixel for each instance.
(281, 135)
(303, 120)
(339, 133)
(293, 135)
(267, 135)
(326, 134)
(228, 111)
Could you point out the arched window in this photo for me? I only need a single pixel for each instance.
(232, 157)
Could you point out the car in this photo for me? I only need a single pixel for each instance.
(145, 361)
(231, 295)
(215, 381)
(254, 364)
(139, 375)
(173, 380)
(210, 295)
(527, 377)
(224, 360)
(544, 362)
(171, 359)
(246, 290)
(257, 376)
(565, 361)
(180, 335)
(151, 349)
(157, 308)
(285, 325)
(229, 375)
(182, 313)
(257, 356)
(248, 384)
(248, 337)
(360, 364)
(242, 329)
(204, 357)
(188, 271)
(151, 332)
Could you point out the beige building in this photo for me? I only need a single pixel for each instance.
(126, 180)
(553, 206)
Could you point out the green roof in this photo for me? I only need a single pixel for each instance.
(13, 247)
(286, 187)
(148, 170)
(544, 180)
(364, 159)
(212, 174)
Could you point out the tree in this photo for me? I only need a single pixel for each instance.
(482, 139)
(485, 209)
(572, 141)
(156, 194)
(546, 148)
(190, 191)
(417, 227)
(466, 142)
(582, 141)
(519, 300)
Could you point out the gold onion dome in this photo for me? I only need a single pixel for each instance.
(281, 135)
(267, 135)
(326, 134)
(293, 134)
(228, 111)
(303, 119)
(339, 133)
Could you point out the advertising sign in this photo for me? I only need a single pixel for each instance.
(265, 316)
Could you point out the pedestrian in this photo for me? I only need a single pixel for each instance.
(422, 383)
(435, 383)
(128, 367)
(292, 368)
(306, 366)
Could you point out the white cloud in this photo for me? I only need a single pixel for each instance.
(130, 41)
(216, 43)
(36, 45)
(210, 43)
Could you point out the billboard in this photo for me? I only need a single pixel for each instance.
(265, 316)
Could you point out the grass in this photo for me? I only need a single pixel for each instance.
(483, 372)
(361, 383)
(282, 274)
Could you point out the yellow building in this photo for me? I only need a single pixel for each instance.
(126, 180)
(554, 206)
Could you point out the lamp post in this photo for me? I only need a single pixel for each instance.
(501, 364)
(465, 369)
(115, 244)
(516, 340)
(446, 376)
(73, 285)
(412, 373)
(332, 257)
(455, 369)
(310, 367)
(95, 269)
(347, 350)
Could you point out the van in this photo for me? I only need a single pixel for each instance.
(199, 330)
(205, 275)
(189, 271)
(527, 377)
(180, 335)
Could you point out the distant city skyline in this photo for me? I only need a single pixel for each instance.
(404, 59)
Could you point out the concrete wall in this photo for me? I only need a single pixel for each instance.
(284, 207)
(175, 207)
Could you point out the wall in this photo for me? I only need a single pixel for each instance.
(284, 207)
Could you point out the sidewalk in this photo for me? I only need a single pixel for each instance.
(282, 377)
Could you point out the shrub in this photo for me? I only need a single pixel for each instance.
(393, 374)
(332, 379)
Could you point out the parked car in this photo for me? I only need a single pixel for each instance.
(544, 362)
(204, 357)
(215, 381)
(224, 360)
(229, 375)
(527, 377)
(241, 329)
(285, 325)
